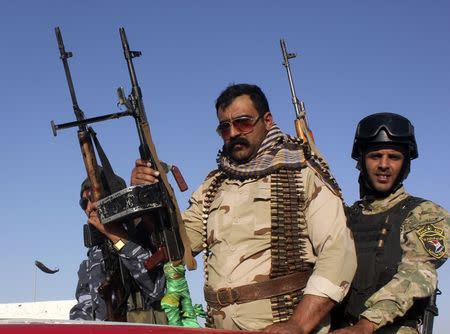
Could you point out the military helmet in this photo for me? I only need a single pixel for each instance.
(384, 128)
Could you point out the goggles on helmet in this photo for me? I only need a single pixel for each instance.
(395, 126)
(384, 128)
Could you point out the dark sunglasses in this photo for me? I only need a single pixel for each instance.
(85, 200)
(84, 203)
(244, 124)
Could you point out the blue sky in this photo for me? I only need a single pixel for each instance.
(355, 58)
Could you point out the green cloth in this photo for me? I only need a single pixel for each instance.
(177, 302)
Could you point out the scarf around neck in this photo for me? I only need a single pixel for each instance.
(277, 151)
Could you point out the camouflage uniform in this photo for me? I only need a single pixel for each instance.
(133, 257)
(92, 274)
(239, 237)
(416, 276)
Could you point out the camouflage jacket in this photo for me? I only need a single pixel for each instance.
(90, 306)
(425, 242)
(91, 274)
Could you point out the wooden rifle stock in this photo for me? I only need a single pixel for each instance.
(301, 132)
(91, 165)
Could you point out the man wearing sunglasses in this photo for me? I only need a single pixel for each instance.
(277, 252)
(400, 240)
(145, 289)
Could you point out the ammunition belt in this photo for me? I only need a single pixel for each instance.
(209, 198)
(288, 234)
(288, 205)
(320, 166)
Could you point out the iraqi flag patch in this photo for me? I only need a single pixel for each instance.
(432, 239)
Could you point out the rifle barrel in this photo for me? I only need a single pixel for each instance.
(298, 106)
(136, 96)
(64, 56)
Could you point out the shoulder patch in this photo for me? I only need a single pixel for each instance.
(433, 240)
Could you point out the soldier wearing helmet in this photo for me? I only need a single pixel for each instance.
(386, 132)
(400, 240)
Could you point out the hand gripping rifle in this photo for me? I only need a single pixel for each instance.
(318, 162)
(112, 290)
(174, 244)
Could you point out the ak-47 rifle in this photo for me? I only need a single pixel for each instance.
(174, 244)
(302, 127)
(112, 290)
(431, 311)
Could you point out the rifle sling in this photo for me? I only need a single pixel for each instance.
(107, 168)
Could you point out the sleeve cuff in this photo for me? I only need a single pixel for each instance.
(320, 286)
(128, 250)
(373, 315)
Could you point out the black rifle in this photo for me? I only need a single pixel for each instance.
(112, 290)
(431, 311)
(173, 242)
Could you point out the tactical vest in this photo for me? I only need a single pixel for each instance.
(377, 242)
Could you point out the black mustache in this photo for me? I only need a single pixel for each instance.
(236, 141)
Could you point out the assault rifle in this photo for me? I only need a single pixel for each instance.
(431, 311)
(173, 242)
(302, 128)
(301, 124)
(112, 290)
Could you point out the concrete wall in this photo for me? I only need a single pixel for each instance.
(57, 310)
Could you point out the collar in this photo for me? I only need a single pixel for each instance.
(373, 206)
